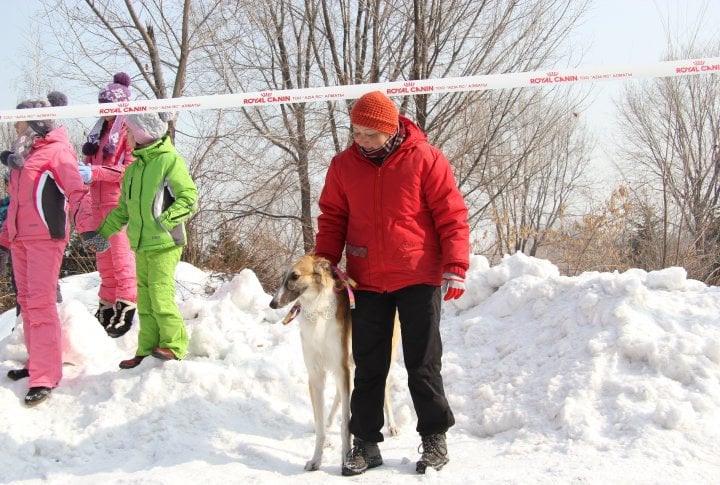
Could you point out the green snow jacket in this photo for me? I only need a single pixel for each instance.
(157, 197)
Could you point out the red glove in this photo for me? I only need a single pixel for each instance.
(453, 286)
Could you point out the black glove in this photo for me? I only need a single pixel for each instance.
(94, 242)
(4, 257)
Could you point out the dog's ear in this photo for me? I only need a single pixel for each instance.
(322, 267)
(322, 270)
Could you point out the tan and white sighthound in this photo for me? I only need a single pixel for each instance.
(325, 334)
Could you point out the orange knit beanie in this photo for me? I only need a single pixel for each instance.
(377, 111)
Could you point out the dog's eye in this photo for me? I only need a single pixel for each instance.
(294, 276)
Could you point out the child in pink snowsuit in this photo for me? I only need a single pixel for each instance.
(43, 178)
(106, 155)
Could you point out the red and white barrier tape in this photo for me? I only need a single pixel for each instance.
(399, 88)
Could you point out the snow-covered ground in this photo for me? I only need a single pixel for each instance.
(600, 378)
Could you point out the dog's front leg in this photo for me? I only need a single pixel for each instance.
(316, 385)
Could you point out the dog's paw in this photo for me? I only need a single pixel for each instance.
(393, 430)
(312, 465)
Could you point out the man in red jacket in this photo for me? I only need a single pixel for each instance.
(391, 202)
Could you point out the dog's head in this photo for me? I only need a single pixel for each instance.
(307, 278)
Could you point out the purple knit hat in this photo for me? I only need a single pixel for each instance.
(118, 90)
(43, 127)
(15, 157)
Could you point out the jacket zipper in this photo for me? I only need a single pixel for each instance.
(139, 199)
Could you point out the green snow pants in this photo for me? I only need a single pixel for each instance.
(161, 324)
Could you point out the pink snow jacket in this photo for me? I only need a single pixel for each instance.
(107, 172)
(40, 190)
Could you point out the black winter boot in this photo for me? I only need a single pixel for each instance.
(123, 319)
(434, 452)
(17, 374)
(36, 395)
(105, 313)
(363, 455)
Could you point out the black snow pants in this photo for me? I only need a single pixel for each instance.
(373, 318)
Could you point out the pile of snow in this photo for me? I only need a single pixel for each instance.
(604, 377)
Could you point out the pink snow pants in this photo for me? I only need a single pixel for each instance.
(116, 265)
(36, 265)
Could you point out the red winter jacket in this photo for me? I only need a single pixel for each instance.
(403, 223)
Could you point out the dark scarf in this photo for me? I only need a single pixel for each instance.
(379, 155)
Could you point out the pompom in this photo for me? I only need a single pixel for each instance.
(15, 160)
(57, 98)
(109, 150)
(89, 149)
(122, 78)
(32, 103)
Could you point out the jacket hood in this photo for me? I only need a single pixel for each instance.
(413, 131)
(59, 134)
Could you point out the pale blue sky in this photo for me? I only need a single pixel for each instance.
(16, 17)
(636, 32)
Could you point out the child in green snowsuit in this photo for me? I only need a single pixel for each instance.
(157, 196)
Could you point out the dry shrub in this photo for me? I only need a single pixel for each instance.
(597, 241)
(627, 232)
(260, 250)
(7, 295)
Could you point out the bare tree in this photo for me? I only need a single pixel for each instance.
(260, 168)
(528, 209)
(488, 136)
(372, 41)
(154, 41)
(673, 131)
